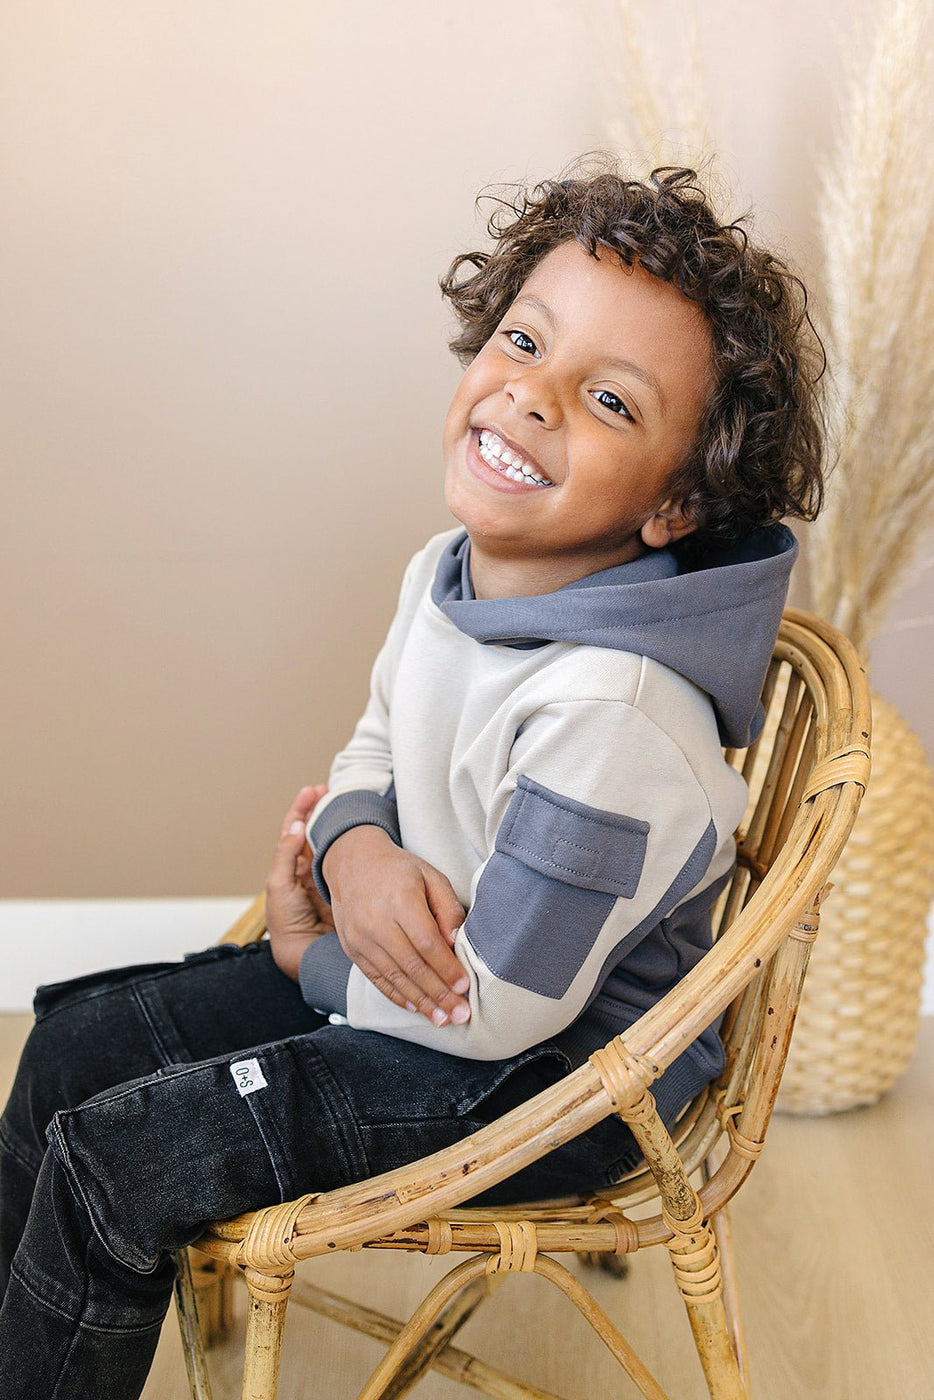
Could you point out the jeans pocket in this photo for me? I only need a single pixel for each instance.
(493, 1088)
(52, 995)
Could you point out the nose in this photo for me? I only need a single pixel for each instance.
(533, 395)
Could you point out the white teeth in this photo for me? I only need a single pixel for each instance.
(502, 459)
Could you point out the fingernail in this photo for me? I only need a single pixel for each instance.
(462, 985)
(460, 1014)
(439, 1017)
(296, 827)
(410, 1006)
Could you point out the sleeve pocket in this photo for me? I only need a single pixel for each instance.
(549, 887)
(578, 845)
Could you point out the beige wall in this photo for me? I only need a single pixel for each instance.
(224, 375)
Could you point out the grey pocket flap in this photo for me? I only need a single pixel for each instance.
(570, 842)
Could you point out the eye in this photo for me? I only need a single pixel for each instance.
(607, 399)
(525, 343)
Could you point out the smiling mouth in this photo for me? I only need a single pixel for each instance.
(508, 462)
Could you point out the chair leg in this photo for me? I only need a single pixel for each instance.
(450, 1361)
(608, 1333)
(723, 1232)
(418, 1325)
(422, 1357)
(213, 1281)
(269, 1296)
(696, 1263)
(190, 1327)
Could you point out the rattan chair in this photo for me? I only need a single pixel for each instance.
(806, 779)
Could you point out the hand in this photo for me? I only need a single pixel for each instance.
(295, 912)
(397, 917)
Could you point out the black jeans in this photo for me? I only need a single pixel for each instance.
(127, 1130)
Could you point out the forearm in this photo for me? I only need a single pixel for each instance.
(570, 887)
(360, 810)
(396, 917)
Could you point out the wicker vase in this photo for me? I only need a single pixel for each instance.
(859, 1012)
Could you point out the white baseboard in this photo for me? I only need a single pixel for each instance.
(48, 940)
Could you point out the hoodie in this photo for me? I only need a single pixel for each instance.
(559, 758)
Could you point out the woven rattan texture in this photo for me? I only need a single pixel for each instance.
(858, 1020)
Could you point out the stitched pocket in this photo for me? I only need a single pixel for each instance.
(571, 842)
(550, 886)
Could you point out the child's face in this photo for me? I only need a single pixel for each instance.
(595, 382)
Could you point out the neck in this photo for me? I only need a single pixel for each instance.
(494, 576)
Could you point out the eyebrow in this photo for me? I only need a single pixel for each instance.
(628, 366)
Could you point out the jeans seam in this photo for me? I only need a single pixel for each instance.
(97, 1226)
(454, 1116)
(91, 995)
(273, 1158)
(76, 1322)
(343, 1121)
(168, 970)
(154, 1030)
(17, 1151)
(38, 1297)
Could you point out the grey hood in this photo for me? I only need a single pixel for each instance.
(715, 624)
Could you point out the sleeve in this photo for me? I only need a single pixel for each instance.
(598, 830)
(360, 783)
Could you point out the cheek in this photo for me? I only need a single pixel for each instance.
(458, 413)
(453, 424)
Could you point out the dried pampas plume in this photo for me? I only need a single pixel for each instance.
(667, 127)
(877, 229)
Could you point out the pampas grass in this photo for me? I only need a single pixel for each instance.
(877, 229)
(668, 126)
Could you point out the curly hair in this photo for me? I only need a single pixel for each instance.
(758, 453)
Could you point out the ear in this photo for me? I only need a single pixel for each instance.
(672, 521)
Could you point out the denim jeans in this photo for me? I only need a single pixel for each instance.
(126, 1131)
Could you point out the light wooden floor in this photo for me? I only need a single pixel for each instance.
(835, 1247)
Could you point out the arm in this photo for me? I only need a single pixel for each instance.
(296, 914)
(397, 915)
(397, 919)
(402, 919)
(360, 783)
(599, 828)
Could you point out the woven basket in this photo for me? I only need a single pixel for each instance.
(859, 1012)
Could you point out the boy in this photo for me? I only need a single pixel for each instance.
(523, 840)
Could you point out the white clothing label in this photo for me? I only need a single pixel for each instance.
(248, 1076)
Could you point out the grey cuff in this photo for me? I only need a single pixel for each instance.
(362, 807)
(323, 973)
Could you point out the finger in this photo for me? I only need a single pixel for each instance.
(429, 941)
(302, 806)
(392, 962)
(384, 985)
(414, 950)
(393, 982)
(444, 904)
(289, 848)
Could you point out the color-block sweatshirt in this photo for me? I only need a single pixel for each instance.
(559, 759)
